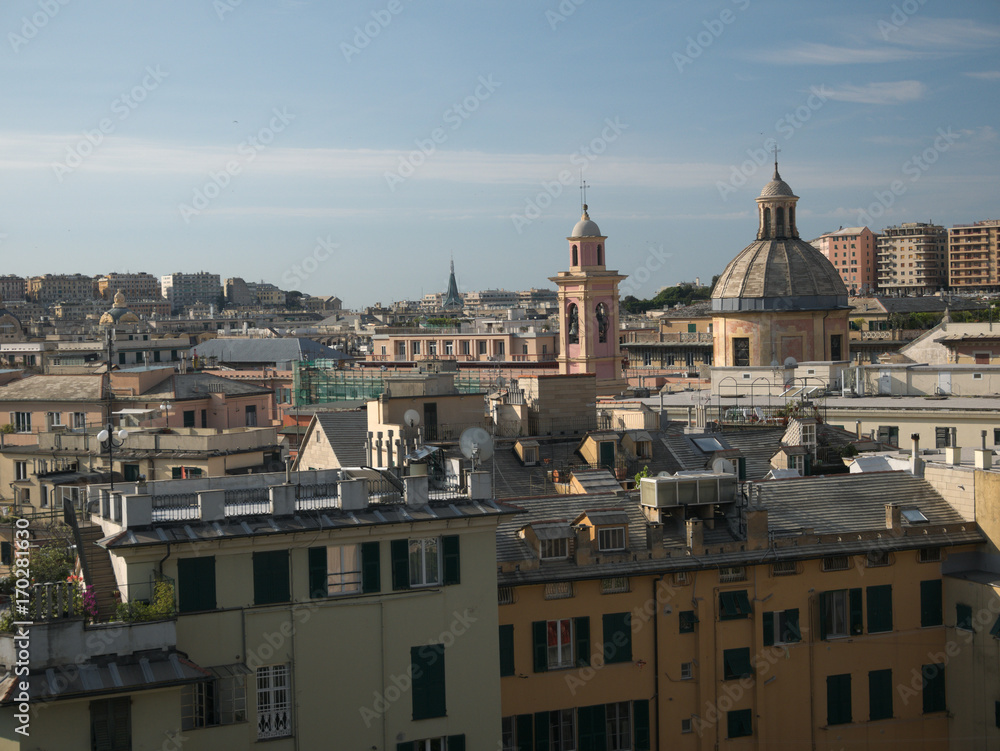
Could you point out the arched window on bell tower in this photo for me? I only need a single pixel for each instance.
(765, 230)
(779, 228)
(573, 321)
(601, 313)
(576, 257)
(600, 255)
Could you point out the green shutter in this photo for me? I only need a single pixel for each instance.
(739, 723)
(452, 567)
(880, 695)
(456, 743)
(768, 629)
(317, 572)
(879, 608)
(524, 739)
(506, 650)
(933, 688)
(930, 603)
(736, 663)
(542, 731)
(857, 616)
(792, 631)
(617, 637)
(540, 645)
(427, 664)
(823, 614)
(640, 723)
(581, 628)
(838, 699)
(371, 568)
(196, 584)
(400, 554)
(963, 616)
(591, 728)
(270, 577)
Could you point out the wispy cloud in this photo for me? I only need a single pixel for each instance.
(889, 92)
(813, 53)
(985, 75)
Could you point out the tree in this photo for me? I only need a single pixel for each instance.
(51, 563)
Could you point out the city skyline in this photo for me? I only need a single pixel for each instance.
(310, 145)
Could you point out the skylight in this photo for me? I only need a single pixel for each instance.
(708, 445)
(914, 516)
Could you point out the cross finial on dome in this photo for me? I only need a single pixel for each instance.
(776, 150)
(583, 192)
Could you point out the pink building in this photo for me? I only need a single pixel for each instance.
(852, 250)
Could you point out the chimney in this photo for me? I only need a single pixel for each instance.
(654, 539)
(894, 518)
(952, 453)
(695, 534)
(916, 464)
(984, 456)
(857, 429)
(757, 528)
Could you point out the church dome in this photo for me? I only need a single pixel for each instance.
(586, 227)
(119, 313)
(779, 271)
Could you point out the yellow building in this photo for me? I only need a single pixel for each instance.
(697, 620)
(309, 614)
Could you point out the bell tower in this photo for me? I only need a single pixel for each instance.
(588, 310)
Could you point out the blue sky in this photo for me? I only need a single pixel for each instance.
(352, 148)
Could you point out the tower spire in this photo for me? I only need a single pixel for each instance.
(776, 150)
(583, 192)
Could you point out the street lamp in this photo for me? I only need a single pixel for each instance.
(165, 409)
(109, 442)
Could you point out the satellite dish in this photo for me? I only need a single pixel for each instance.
(790, 362)
(411, 417)
(664, 473)
(476, 444)
(722, 466)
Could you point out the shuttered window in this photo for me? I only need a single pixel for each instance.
(739, 723)
(930, 603)
(195, 584)
(427, 664)
(879, 608)
(838, 699)
(933, 688)
(736, 663)
(963, 616)
(640, 724)
(344, 569)
(111, 724)
(880, 695)
(506, 650)
(270, 577)
(617, 637)
(734, 605)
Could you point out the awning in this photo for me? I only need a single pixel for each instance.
(135, 411)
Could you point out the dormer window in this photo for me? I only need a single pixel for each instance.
(611, 539)
(552, 549)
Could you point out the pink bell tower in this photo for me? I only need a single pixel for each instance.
(588, 310)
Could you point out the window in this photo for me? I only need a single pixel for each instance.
(111, 724)
(877, 559)
(889, 434)
(465, 346)
(734, 605)
(879, 608)
(681, 579)
(509, 734)
(56, 419)
(22, 422)
(344, 569)
(558, 590)
(79, 421)
(619, 726)
(425, 562)
(501, 347)
(20, 471)
(933, 688)
(195, 584)
(784, 568)
(432, 347)
(562, 734)
(686, 726)
(836, 347)
(687, 620)
(732, 574)
(739, 723)
(506, 650)
(782, 627)
(449, 347)
(836, 563)
(273, 702)
(6, 553)
(963, 617)
(427, 665)
(741, 352)
(929, 555)
(189, 418)
(930, 603)
(416, 347)
(130, 472)
(221, 701)
(251, 416)
(614, 585)
(809, 434)
(942, 438)
(563, 643)
(880, 695)
(611, 539)
(270, 577)
(482, 347)
(840, 613)
(838, 699)
(506, 596)
(558, 548)
(617, 637)
(736, 664)
(687, 671)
